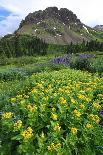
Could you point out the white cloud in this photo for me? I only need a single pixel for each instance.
(89, 11)
(9, 24)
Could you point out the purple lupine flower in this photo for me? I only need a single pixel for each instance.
(101, 112)
(59, 60)
(86, 56)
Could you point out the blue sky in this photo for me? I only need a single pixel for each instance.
(90, 12)
(3, 13)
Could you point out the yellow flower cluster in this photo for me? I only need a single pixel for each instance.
(40, 86)
(53, 109)
(77, 113)
(57, 127)
(54, 116)
(94, 118)
(34, 91)
(53, 146)
(82, 106)
(80, 96)
(89, 126)
(62, 100)
(100, 95)
(74, 131)
(27, 134)
(31, 108)
(18, 124)
(72, 100)
(83, 97)
(96, 105)
(7, 115)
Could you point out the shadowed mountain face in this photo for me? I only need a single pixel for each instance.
(55, 26)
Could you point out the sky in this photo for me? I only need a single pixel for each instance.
(90, 12)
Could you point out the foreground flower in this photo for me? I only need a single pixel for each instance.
(101, 112)
(57, 127)
(31, 108)
(74, 131)
(82, 106)
(7, 115)
(62, 100)
(80, 96)
(94, 118)
(73, 101)
(18, 124)
(77, 113)
(27, 134)
(100, 95)
(96, 105)
(89, 126)
(53, 146)
(54, 117)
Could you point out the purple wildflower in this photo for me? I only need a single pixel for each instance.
(101, 112)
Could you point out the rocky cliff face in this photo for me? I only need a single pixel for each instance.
(63, 15)
(60, 26)
(99, 27)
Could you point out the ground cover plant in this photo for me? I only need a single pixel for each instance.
(60, 112)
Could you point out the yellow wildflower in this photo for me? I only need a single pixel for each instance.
(53, 146)
(62, 100)
(7, 115)
(97, 119)
(31, 108)
(96, 105)
(45, 98)
(46, 90)
(74, 131)
(80, 96)
(27, 134)
(49, 86)
(89, 126)
(18, 124)
(54, 117)
(100, 95)
(88, 99)
(77, 113)
(82, 106)
(57, 127)
(73, 101)
(94, 118)
(53, 109)
(40, 86)
(60, 90)
(34, 90)
(58, 145)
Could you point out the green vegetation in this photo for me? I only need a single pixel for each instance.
(47, 105)
(42, 116)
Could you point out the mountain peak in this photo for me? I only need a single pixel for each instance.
(99, 27)
(64, 15)
(54, 25)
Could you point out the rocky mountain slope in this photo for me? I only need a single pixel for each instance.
(55, 26)
(99, 27)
